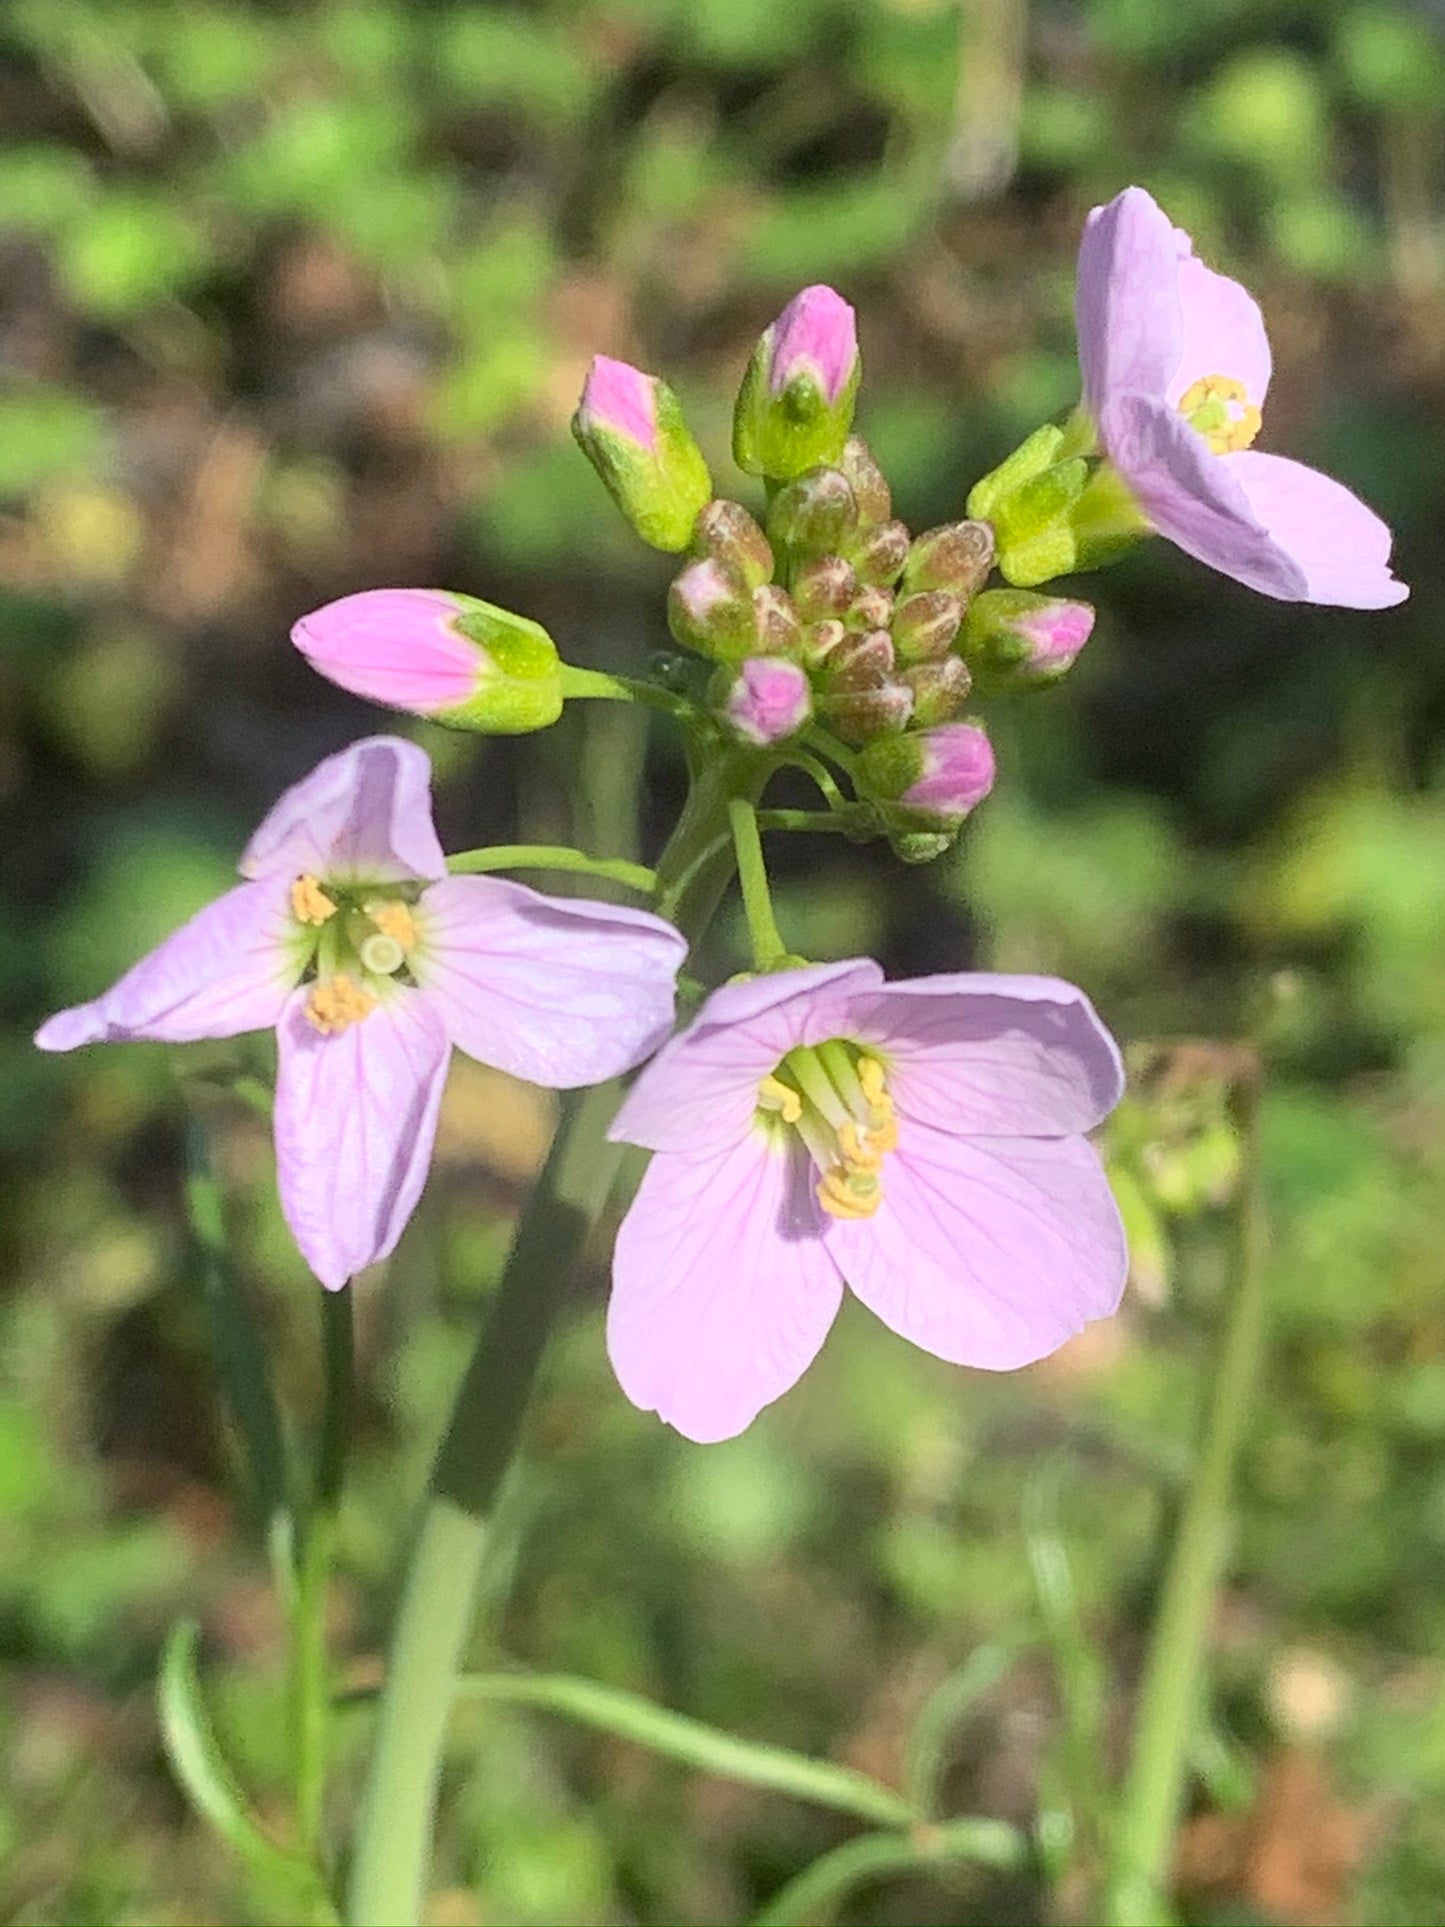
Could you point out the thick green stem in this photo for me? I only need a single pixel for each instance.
(1169, 1700)
(389, 1869)
(311, 1685)
(763, 932)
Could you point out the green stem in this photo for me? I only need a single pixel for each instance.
(849, 819)
(989, 1843)
(552, 856)
(598, 685)
(1174, 1669)
(767, 942)
(389, 1868)
(311, 1685)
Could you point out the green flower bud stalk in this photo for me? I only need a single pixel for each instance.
(795, 406)
(725, 531)
(630, 427)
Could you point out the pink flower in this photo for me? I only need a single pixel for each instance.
(1176, 365)
(770, 699)
(621, 398)
(922, 1141)
(371, 962)
(816, 336)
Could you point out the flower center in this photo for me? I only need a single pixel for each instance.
(357, 941)
(1218, 408)
(835, 1096)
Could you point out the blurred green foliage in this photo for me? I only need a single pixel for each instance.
(298, 299)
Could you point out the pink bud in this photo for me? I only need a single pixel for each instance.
(956, 774)
(394, 646)
(769, 700)
(1057, 632)
(817, 335)
(1013, 637)
(620, 398)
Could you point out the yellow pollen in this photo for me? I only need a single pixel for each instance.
(337, 1004)
(309, 902)
(1206, 407)
(774, 1095)
(847, 1192)
(394, 920)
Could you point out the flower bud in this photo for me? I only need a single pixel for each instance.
(631, 429)
(796, 402)
(871, 608)
(820, 640)
(859, 716)
(725, 531)
(925, 625)
(813, 513)
(956, 557)
(824, 587)
(775, 621)
(768, 699)
(939, 689)
(450, 658)
(867, 480)
(860, 662)
(710, 609)
(1012, 636)
(879, 554)
(934, 777)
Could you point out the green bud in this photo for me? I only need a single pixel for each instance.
(868, 482)
(521, 688)
(630, 427)
(812, 514)
(795, 405)
(725, 530)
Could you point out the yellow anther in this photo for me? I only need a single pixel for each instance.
(849, 1194)
(873, 1079)
(858, 1151)
(337, 1004)
(884, 1136)
(1207, 407)
(309, 902)
(774, 1095)
(394, 920)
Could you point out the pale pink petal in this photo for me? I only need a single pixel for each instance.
(1127, 300)
(230, 969)
(700, 1092)
(364, 815)
(1194, 497)
(356, 1114)
(817, 334)
(621, 398)
(1340, 546)
(991, 1055)
(987, 1252)
(561, 993)
(394, 646)
(1223, 333)
(722, 1286)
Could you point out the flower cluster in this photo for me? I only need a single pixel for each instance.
(921, 1142)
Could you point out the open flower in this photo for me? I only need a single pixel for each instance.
(920, 1140)
(371, 962)
(1176, 365)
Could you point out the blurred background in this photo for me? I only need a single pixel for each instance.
(295, 300)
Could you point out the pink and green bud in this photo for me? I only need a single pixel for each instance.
(879, 554)
(864, 715)
(956, 557)
(868, 482)
(860, 662)
(820, 639)
(775, 621)
(796, 402)
(769, 699)
(871, 608)
(940, 690)
(447, 657)
(710, 609)
(725, 531)
(630, 427)
(824, 587)
(925, 625)
(1012, 636)
(813, 513)
(935, 777)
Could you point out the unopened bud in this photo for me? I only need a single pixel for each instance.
(935, 777)
(768, 699)
(925, 625)
(939, 689)
(956, 557)
(820, 640)
(796, 402)
(860, 716)
(710, 609)
(860, 662)
(870, 486)
(725, 531)
(775, 621)
(879, 554)
(871, 608)
(824, 587)
(450, 658)
(812, 514)
(631, 429)
(1012, 636)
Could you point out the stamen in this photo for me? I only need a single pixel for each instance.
(849, 1194)
(309, 902)
(774, 1095)
(396, 921)
(338, 1003)
(1208, 407)
(836, 1097)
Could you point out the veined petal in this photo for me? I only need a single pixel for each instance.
(356, 1113)
(723, 1289)
(230, 969)
(1223, 333)
(700, 1091)
(987, 1252)
(561, 993)
(364, 813)
(1194, 496)
(1340, 546)
(1127, 300)
(982, 1054)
